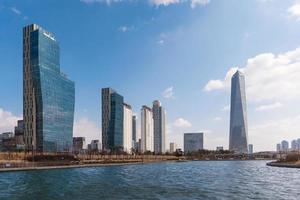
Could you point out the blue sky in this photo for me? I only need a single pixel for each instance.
(177, 51)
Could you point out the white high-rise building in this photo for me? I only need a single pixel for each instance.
(173, 147)
(147, 140)
(127, 128)
(159, 125)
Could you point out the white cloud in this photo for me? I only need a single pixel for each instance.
(15, 10)
(195, 3)
(168, 93)
(226, 108)
(294, 11)
(163, 2)
(268, 77)
(160, 42)
(266, 135)
(86, 128)
(182, 123)
(7, 121)
(126, 28)
(108, 2)
(217, 119)
(269, 107)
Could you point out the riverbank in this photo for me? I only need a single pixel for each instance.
(284, 164)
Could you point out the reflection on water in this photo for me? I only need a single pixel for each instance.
(188, 180)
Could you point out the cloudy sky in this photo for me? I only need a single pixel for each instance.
(182, 52)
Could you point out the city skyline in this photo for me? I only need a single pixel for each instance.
(184, 62)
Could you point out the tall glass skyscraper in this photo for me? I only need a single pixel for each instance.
(159, 125)
(112, 119)
(48, 95)
(238, 139)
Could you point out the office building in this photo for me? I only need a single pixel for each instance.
(238, 139)
(173, 147)
(134, 136)
(159, 125)
(127, 132)
(146, 130)
(250, 149)
(78, 144)
(48, 95)
(278, 147)
(294, 145)
(95, 146)
(284, 145)
(193, 142)
(112, 120)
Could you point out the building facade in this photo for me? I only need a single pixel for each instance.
(78, 144)
(278, 147)
(112, 120)
(147, 138)
(193, 142)
(173, 147)
(238, 136)
(48, 95)
(159, 125)
(284, 145)
(250, 148)
(134, 136)
(127, 132)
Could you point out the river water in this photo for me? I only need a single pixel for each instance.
(169, 180)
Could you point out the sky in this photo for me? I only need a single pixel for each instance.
(181, 52)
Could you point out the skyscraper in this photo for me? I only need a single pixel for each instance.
(159, 124)
(127, 132)
(284, 145)
(112, 119)
(134, 138)
(48, 95)
(238, 139)
(146, 129)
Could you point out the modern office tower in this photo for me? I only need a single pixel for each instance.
(284, 145)
(134, 136)
(127, 132)
(48, 95)
(294, 145)
(193, 142)
(78, 144)
(112, 120)
(278, 147)
(173, 147)
(159, 125)
(146, 130)
(250, 148)
(220, 148)
(238, 139)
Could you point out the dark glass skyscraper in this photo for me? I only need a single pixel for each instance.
(238, 139)
(159, 127)
(112, 119)
(134, 128)
(48, 95)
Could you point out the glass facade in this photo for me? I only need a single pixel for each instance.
(54, 95)
(238, 141)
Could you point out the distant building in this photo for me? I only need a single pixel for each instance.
(127, 131)
(7, 142)
(284, 145)
(95, 146)
(173, 147)
(112, 119)
(238, 140)
(78, 144)
(19, 135)
(298, 144)
(278, 147)
(220, 148)
(250, 149)
(146, 130)
(134, 136)
(159, 125)
(193, 142)
(49, 96)
(294, 145)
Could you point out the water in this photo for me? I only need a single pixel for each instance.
(188, 180)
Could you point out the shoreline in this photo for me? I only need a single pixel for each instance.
(286, 165)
